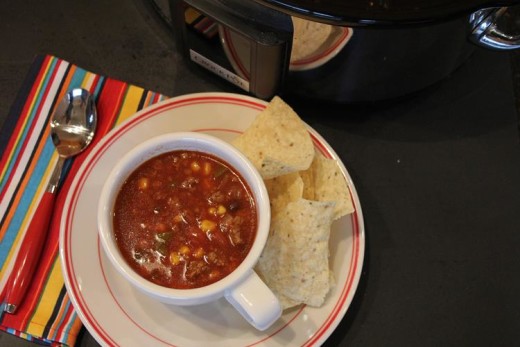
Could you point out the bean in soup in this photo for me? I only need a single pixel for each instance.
(184, 219)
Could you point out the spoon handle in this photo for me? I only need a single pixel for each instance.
(29, 254)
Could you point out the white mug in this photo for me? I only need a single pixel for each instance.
(243, 288)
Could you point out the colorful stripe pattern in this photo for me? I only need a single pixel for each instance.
(200, 23)
(26, 163)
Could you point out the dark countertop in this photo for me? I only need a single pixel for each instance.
(438, 173)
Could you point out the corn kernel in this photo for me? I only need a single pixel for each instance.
(214, 274)
(195, 166)
(175, 258)
(199, 253)
(184, 250)
(207, 225)
(207, 168)
(178, 218)
(143, 183)
(221, 210)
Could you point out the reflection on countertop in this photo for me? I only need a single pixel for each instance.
(515, 67)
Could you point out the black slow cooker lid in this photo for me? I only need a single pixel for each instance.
(383, 12)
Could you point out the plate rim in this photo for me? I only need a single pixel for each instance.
(330, 324)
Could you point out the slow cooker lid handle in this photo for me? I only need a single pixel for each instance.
(492, 28)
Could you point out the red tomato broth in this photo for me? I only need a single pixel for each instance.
(184, 219)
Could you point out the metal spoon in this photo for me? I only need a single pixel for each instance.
(72, 129)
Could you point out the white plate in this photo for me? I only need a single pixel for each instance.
(116, 314)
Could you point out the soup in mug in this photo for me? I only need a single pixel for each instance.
(184, 219)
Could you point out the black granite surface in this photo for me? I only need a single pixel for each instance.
(437, 173)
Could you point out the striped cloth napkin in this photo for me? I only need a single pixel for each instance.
(27, 160)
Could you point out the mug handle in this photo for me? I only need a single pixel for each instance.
(253, 299)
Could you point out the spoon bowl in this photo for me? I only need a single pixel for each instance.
(73, 125)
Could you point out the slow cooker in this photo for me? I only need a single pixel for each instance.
(344, 51)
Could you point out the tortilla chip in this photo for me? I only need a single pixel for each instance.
(295, 261)
(286, 302)
(282, 190)
(277, 142)
(307, 177)
(308, 38)
(329, 184)
(307, 193)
